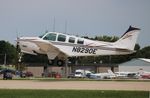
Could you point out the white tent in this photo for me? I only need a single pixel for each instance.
(135, 65)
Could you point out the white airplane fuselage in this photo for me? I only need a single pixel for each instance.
(55, 44)
(73, 49)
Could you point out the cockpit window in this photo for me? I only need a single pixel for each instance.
(80, 41)
(61, 38)
(50, 36)
(41, 35)
(71, 39)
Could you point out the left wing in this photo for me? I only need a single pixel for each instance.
(46, 47)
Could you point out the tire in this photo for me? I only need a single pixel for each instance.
(60, 63)
(51, 62)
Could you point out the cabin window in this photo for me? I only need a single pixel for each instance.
(61, 38)
(71, 39)
(80, 41)
(50, 36)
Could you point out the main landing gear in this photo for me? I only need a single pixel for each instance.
(61, 63)
(58, 62)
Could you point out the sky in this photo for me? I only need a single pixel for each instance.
(78, 17)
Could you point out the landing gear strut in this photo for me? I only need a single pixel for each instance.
(61, 63)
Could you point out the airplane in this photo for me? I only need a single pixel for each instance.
(62, 46)
(123, 75)
(136, 74)
(144, 74)
(81, 73)
(108, 75)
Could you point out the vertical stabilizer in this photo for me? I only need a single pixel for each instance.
(128, 39)
(110, 72)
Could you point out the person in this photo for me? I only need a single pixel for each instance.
(4, 75)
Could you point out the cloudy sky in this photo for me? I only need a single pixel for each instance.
(84, 17)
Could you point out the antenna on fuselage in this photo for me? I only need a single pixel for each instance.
(54, 25)
(65, 26)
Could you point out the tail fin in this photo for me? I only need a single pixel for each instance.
(128, 39)
(110, 72)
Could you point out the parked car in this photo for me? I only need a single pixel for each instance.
(72, 75)
(7, 75)
(26, 74)
(146, 76)
(29, 74)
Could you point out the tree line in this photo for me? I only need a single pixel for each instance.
(11, 52)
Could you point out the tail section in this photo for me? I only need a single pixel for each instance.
(110, 72)
(128, 39)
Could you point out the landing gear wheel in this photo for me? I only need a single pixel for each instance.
(60, 63)
(51, 62)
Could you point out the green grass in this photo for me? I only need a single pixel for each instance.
(11, 93)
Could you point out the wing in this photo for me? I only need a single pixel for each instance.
(47, 47)
(51, 50)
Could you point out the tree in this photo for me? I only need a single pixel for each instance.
(9, 50)
(145, 52)
(106, 38)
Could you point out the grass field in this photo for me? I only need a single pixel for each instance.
(11, 93)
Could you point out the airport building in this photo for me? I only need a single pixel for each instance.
(135, 65)
(39, 69)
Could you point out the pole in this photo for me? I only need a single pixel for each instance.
(5, 59)
(54, 25)
(66, 67)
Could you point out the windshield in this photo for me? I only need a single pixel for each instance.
(50, 36)
(41, 35)
(78, 73)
